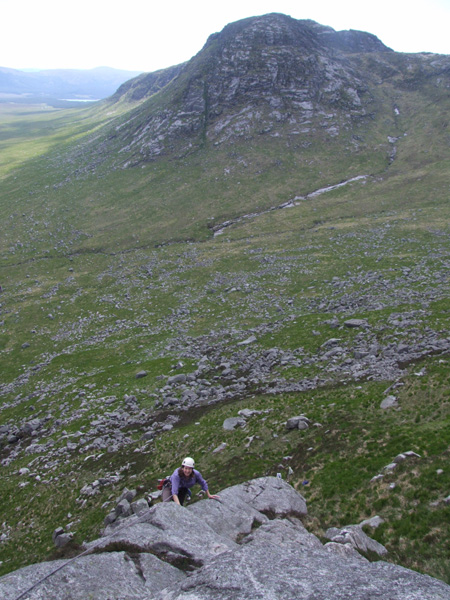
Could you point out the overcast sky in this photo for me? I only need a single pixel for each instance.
(146, 35)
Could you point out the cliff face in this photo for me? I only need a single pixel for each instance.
(262, 78)
(264, 75)
(249, 544)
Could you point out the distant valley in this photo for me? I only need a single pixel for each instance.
(60, 87)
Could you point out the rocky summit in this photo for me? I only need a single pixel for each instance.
(264, 77)
(254, 77)
(270, 75)
(249, 544)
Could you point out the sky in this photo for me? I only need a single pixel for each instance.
(146, 35)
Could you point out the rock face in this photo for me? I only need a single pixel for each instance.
(258, 76)
(250, 544)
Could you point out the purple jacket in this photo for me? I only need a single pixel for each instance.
(178, 482)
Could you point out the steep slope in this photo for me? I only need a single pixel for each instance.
(258, 235)
(145, 85)
(270, 75)
(267, 99)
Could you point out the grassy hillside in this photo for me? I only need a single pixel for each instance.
(108, 272)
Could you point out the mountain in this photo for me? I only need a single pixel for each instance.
(259, 76)
(268, 77)
(244, 259)
(61, 84)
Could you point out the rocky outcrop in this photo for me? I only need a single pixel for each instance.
(257, 76)
(145, 85)
(268, 75)
(249, 544)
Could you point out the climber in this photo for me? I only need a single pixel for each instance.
(177, 486)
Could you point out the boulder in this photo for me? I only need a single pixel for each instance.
(58, 531)
(355, 536)
(300, 422)
(141, 374)
(31, 426)
(219, 448)
(271, 496)
(175, 379)
(292, 423)
(389, 402)
(356, 323)
(246, 413)
(345, 550)
(372, 522)
(140, 506)
(62, 540)
(232, 422)
(128, 495)
(123, 508)
(167, 531)
(247, 341)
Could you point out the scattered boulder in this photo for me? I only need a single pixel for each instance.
(220, 448)
(246, 413)
(355, 536)
(177, 379)
(126, 507)
(356, 323)
(61, 538)
(141, 374)
(247, 341)
(300, 422)
(389, 402)
(31, 426)
(123, 509)
(372, 522)
(393, 465)
(128, 495)
(233, 422)
(390, 466)
(140, 507)
(344, 550)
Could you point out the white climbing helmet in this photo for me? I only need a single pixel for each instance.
(188, 462)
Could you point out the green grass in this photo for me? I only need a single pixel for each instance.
(126, 263)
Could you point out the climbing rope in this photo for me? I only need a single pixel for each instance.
(89, 550)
